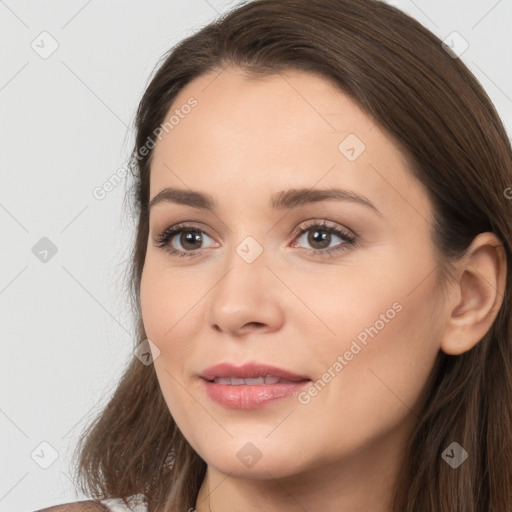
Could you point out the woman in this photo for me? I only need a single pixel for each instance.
(319, 276)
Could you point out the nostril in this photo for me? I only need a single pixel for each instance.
(257, 324)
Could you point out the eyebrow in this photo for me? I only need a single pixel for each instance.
(286, 199)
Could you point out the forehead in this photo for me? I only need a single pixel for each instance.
(246, 138)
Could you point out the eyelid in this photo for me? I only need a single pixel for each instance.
(327, 224)
(164, 236)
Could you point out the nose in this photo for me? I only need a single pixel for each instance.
(246, 298)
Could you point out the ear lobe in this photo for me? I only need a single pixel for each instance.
(477, 296)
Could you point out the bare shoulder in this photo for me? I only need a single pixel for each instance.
(77, 506)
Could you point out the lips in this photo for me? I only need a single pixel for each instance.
(250, 386)
(256, 381)
(250, 374)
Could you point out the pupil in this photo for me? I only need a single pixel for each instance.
(313, 238)
(189, 237)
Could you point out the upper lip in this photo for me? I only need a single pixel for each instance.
(249, 370)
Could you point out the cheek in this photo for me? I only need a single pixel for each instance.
(164, 300)
(151, 302)
(374, 359)
(387, 352)
(171, 314)
(162, 307)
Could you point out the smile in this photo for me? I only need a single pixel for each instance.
(236, 381)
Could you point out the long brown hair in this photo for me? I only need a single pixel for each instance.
(441, 118)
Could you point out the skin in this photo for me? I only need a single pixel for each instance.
(244, 141)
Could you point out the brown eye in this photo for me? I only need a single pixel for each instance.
(320, 235)
(319, 238)
(190, 239)
(181, 240)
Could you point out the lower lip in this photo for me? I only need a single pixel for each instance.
(251, 397)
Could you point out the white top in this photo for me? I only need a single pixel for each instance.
(117, 504)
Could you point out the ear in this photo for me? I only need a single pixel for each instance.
(476, 295)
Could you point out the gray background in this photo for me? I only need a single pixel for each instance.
(65, 121)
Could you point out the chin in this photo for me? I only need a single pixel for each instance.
(245, 459)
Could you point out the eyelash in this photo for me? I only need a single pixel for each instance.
(162, 240)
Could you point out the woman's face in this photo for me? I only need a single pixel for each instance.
(242, 285)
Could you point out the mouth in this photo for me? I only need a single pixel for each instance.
(254, 381)
(250, 374)
(250, 386)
